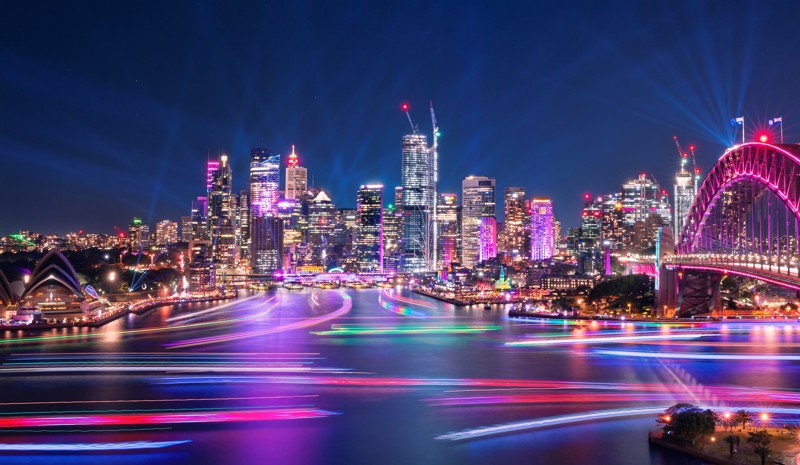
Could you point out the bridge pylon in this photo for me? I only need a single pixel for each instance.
(698, 293)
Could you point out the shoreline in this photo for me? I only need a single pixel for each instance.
(137, 309)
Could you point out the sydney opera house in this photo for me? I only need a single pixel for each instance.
(53, 293)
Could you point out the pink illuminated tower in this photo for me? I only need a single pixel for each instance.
(542, 238)
(487, 238)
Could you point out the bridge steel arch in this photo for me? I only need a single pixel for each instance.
(774, 167)
(744, 220)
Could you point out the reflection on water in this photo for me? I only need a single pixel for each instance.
(375, 376)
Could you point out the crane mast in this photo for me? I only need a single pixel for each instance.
(435, 160)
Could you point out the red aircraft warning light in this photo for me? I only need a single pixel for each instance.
(585, 196)
(763, 138)
(404, 107)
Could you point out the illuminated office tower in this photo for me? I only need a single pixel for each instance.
(243, 225)
(187, 231)
(542, 232)
(321, 222)
(513, 238)
(642, 197)
(211, 167)
(200, 218)
(202, 272)
(392, 221)
(166, 232)
(477, 201)
(419, 189)
(590, 238)
(685, 192)
(447, 219)
(369, 236)
(266, 239)
(138, 234)
(487, 238)
(613, 227)
(265, 175)
(291, 212)
(296, 178)
(221, 215)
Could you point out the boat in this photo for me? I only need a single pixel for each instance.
(487, 307)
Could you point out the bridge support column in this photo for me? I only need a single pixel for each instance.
(698, 293)
(667, 292)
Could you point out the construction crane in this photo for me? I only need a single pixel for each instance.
(405, 109)
(434, 220)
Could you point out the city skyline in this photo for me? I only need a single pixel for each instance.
(141, 130)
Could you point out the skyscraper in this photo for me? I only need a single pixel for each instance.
(265, 175)
(369, 238)
(321, 221)
(266, 240)
(513, 237)
(187, 231)
(243, 225)
(200, 217)
(449, 228)
(166, 232)
(487, 238)
(419, 189)
(392, 221)
(477, 201)
(138, 234)
(296, 178)
(221, 215)
(542, 233)
(685, 192)
(642, 197)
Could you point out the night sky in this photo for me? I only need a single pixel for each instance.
(110, 109)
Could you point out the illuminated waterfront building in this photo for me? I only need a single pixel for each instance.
(294, 225)
(296, 178)
(542, 233)
(166, 232)
(392, 252)
(221, 215)
(202, 272)
(477, 201)
(321, 222)
(266, 240)
(369, 236)
(513, 237)
(264, 182)
(449, 230)
(487, 238)
(590, 238)
(419, 189)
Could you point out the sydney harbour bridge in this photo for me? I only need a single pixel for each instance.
(744, 221)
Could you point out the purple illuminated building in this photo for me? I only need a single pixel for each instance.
(487, 238)
(542, 238)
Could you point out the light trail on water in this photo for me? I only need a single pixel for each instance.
(354, 330)
(90, 447)
(606, 339)
(343, 310)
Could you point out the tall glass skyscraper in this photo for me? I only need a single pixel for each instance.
(487, 238)
(221, 215)
(685, 192)
(296, 178)
(419, 190)
(449, 228)
(369, 238)
(542, 233)
(513, 237)
(477, 201)
(265, 172)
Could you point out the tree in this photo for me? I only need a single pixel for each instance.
(731, 440)
(686, 423)
(761, 440)
(743, 417)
